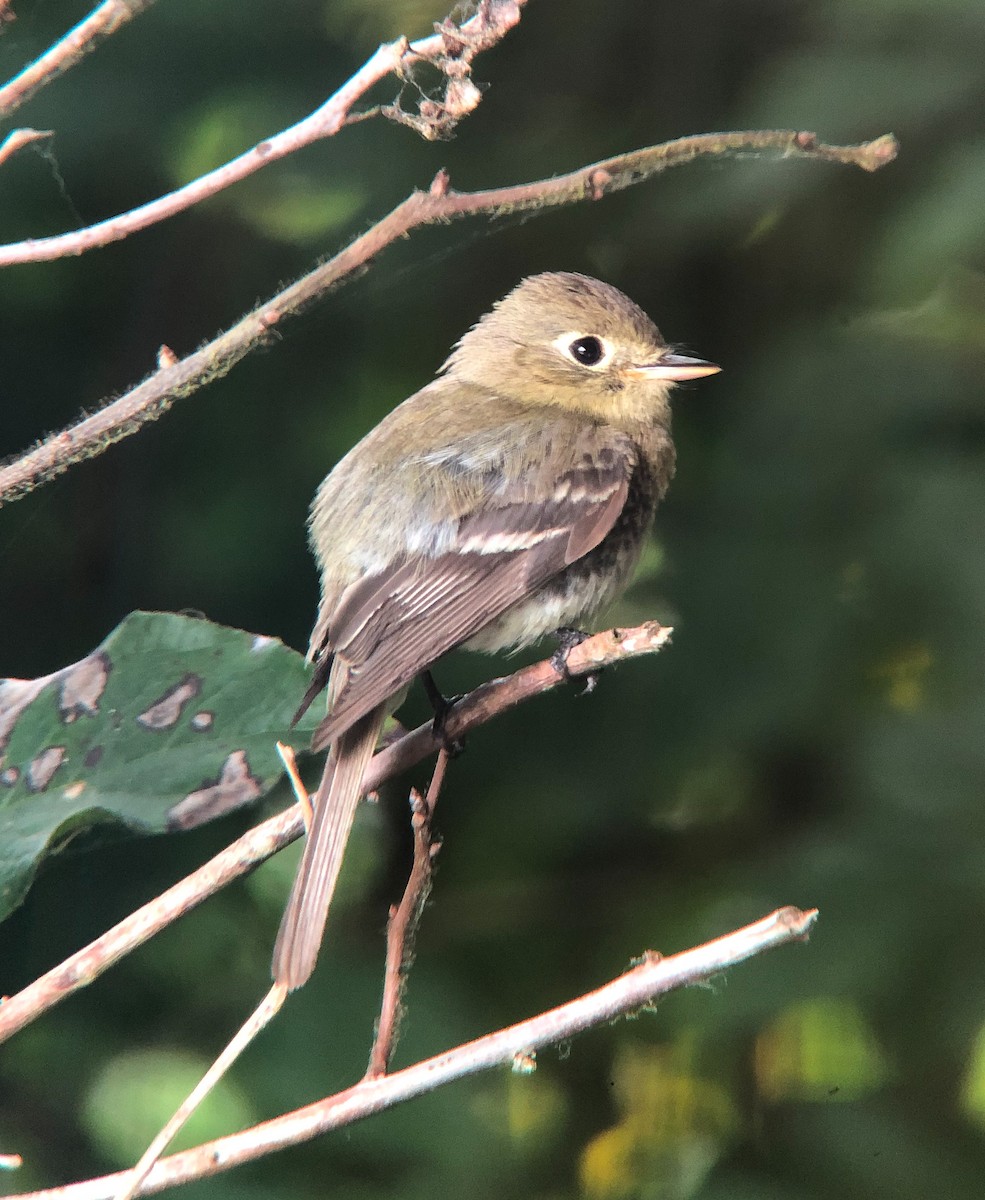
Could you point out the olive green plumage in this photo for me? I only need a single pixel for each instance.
(507, 498)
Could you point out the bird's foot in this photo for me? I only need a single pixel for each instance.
(567, 639)
(442, 706)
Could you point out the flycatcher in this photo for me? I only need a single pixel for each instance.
(506, 499)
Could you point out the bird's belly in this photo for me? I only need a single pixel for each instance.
(588, 584)
(569, 599)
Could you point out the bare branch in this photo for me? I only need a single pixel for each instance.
(401, 929)
(259, 1019)
(653, 976)
(451, 49)
(104, 20)
(17, 139)
(152, 398)
(475, 709)
(404, 917)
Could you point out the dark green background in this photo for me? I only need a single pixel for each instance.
(813, 736)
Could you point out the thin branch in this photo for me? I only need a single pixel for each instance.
(255, 847)
(259, 1019)
(152, 398)
(451, 49)
(17, 139)
(289, 759)
(401, 929)
(104, 20)
(404, 917)
(652, 977)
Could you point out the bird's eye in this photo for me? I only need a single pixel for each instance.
(588, 351)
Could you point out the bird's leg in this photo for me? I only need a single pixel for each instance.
(442, 706)
(567, 638)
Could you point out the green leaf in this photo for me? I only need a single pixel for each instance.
(171, 722)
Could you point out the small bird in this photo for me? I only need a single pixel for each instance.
(507, 499)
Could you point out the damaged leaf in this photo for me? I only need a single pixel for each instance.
(171, 722)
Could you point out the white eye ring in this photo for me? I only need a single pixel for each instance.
(581, 347)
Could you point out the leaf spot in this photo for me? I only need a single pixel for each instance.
(203, 721)
(235, 786)
(42, 768)
(15, 696)
(83, 685)
(165, 712)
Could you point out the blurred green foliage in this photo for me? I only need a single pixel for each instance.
(813, 736)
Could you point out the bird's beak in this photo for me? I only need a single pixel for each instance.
(674, 368)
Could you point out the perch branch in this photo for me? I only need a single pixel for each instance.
(451, 49)
(151, 398)
(104, 20)
(651, 977)
(247, 852)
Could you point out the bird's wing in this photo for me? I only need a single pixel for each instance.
(388, 627)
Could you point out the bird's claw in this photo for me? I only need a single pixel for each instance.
(442, 706)
(567, 639)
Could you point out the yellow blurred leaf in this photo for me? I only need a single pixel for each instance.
(819, 1050)
(674, 1128)
(904, 674)
(763, 227)
(534, 1108)
(972, 1098)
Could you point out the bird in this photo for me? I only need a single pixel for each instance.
(507, 499)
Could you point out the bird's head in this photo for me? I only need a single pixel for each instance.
(569, 341)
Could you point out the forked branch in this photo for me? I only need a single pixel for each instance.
(243, 856)
(651, 977)
(152, 398)
(451, 49)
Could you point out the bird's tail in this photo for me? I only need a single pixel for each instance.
(334, 808)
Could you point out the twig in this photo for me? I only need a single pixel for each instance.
(243, 856)
(17, 139)
(289, 759)
(451, 49)
(404, 917)
(259, 1019)
(400, 932)
(653, 976)
(152, 398)
(104, 20)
